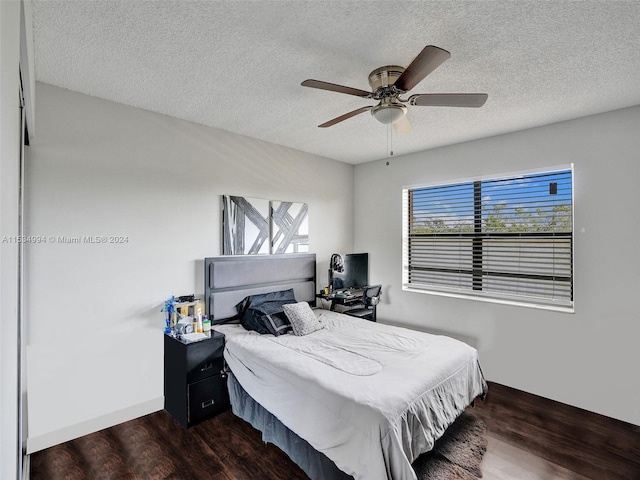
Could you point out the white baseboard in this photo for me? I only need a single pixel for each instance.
(40, 442)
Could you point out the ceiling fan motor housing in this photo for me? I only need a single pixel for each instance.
(385, 76)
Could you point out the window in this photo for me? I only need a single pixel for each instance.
(502, 239)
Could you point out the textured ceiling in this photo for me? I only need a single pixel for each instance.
(237, 65)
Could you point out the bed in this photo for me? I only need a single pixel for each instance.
(354, 399)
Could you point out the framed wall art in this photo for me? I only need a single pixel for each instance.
(254, 226)
(289, 227)
(245, 226)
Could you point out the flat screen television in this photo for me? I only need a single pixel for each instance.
(355, 274)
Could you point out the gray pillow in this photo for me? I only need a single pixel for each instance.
(302, 318)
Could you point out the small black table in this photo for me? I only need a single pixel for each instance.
(341, 299)
(195, 381)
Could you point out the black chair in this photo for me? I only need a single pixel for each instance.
(370, 298)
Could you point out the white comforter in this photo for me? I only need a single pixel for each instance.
(371, 397)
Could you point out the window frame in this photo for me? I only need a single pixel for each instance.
(472, 293)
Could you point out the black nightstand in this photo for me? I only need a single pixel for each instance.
(195, 384)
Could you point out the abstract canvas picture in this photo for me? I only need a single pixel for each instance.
(289, 227)
(245, 226)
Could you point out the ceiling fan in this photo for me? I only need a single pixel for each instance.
(388, 83)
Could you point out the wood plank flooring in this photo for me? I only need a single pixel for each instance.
(503, 461)
(586, 443)
(157, 447)
(227, 448)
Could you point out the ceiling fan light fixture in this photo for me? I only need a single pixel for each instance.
(389, 113)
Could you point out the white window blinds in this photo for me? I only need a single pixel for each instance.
(505, 239)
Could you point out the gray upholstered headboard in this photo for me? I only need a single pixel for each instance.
(228, 279)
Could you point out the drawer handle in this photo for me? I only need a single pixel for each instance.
(207, 367)
(207, 403)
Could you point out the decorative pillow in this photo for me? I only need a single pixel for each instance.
(277, 323)
(264, 314)
(302, 318)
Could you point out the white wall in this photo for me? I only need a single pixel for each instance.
(588, 359)
(95, 350)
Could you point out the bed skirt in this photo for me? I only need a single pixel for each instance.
(315, 464)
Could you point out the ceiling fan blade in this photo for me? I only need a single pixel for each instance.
(472, 100)
(426, 62)
(345, 117)
(402, 126)
(332, 87)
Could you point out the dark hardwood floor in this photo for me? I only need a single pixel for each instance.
(157, 447)
(529, 438)
(592, 445)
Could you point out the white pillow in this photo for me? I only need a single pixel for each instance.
(302, 318)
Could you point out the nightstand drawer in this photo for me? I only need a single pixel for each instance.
(207, 397)
(204, 359)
